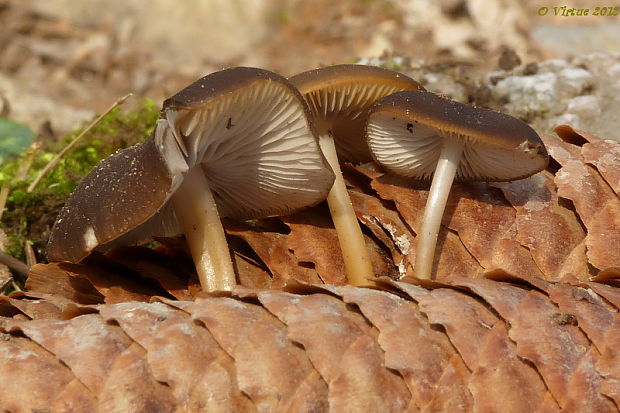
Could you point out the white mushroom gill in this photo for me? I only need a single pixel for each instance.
(340, 110)
(410, 149)
(253, 147)
(347, 99)
(493, 164)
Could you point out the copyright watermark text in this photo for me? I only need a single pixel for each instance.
(565, 11)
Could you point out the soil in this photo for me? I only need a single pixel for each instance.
(62, 60)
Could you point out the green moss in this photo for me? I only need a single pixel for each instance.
(284, 17)
(29, 216)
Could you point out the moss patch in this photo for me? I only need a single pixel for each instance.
(30, 216)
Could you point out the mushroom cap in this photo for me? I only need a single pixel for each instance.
(119, 199)
(252, 134)
(339, 97)
(406, 131)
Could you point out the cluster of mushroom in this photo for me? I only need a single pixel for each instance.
(247, 143)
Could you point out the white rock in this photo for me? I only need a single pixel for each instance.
(586, 106)
(614, 71)
(567, 119)
(528, 93)
(575, 79)
(553, 65)
(228, 30)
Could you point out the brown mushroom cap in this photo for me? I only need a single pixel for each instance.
(339, 97)
(252, 134)
(405, 132)
(119, 197)
(214, 85)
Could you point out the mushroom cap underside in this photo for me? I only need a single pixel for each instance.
(252, 134)
(120, 198)
(339, 97)
(407, 130)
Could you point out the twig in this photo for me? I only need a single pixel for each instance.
(26, 163)
(4, 284)
(4, 194)
(67, 148)
(15, 286)
(31, 257)
(13, 263)
(6, 106)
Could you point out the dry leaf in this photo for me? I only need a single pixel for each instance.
(36, 305)
(551, 232)
(555, 345)
(183, 355)
(112, 368)
(432, 369)
(487, 225)
(388, 228)
(56, 278)
(273, 250)
(314, 240)
(468, 346)
(35, 380)
(271, 370)
(88, 281)
(343, 349)
(452, 256)
(152, 265)
(604, 154)
(250, 274)
(482, 340)
(596, 204)
(600, 322)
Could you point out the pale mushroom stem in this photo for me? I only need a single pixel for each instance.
(443, 177)
(196, 211)
(357, 264)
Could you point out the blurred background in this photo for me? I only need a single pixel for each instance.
(64, 60)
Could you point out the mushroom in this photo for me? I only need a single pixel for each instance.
(243, 146)
(123, 200)
(339, 97)
(419, 134)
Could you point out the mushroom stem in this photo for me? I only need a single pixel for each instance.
(196, 211)
(443, 177)
(357, 264)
